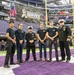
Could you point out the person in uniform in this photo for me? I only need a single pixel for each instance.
(10, 45)
(52, 34)
(20, 36)
(30, 43)
(64, 38)
(41, 34)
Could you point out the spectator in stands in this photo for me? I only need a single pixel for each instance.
(41, 34)
(2, 45)
(10, 45)
(20, 36)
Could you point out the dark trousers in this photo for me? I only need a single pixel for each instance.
(19, 51)
(10, 53)
(65, 44)
(28, 53)
(50, 48)
(40, 47)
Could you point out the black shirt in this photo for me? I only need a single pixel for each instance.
(30, 36)
(42, 33)
(20, 35)
(11, 32)
(52, 31)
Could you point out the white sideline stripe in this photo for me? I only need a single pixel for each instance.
(9, 71)
(71, 61)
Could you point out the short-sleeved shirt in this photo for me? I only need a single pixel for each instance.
(52, 31)
(11, 32)
(42, 33)
(20, 34)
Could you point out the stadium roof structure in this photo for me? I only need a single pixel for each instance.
(54, 3)
(51, 2)
(59, 2)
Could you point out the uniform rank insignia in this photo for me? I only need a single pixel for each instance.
(22, 31)
(33, 34)
(34, 38)
(64, 28)
(53, 29)
(43, 30)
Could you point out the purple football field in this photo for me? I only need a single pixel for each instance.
(42, 68)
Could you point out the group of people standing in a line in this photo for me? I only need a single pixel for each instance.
(63, 33)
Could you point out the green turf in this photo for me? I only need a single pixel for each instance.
(24, 51)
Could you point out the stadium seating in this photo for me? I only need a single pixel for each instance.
(5, 24)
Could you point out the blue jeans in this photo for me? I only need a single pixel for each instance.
(19, 51)
(40, 47)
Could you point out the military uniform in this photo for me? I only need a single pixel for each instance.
(20, 35)
(30, 36)
(64, 33)
(10, 47)
(42, 34)
(52, 32)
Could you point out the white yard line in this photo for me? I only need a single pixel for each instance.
(8, 71)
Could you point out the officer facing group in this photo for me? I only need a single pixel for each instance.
(20, 35)
(52, 34)
(30, 43)
(64, 38)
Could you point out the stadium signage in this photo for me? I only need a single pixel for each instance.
(29, 14)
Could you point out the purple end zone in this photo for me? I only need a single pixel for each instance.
(45, 68)
(42, 68)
